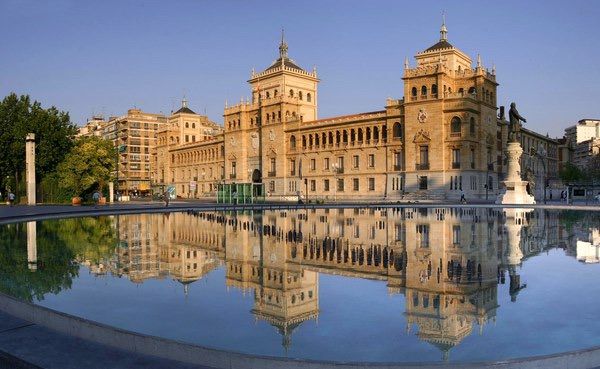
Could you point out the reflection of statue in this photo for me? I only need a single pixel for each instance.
(515, 125)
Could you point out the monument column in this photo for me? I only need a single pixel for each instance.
(32, 245)
(30, 167)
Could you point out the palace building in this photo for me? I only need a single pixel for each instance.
(442, 139)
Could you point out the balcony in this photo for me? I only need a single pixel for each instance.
(422, 166)
(456, 165)
(455, 134)
(271, 173)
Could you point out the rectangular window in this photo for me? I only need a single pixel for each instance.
(456, 234)
(313, 164)
(325, 185)
(423, 235)
(233, 169)
(371, 160)
(398, 160)
(341, 164)
(455, 159)
(424, 157)
(355, 184)
(293, 167)
(326, 163)
(355, 162)
(340, 184)
(313, 185)
(272, 165)
(187, 138)
(422, 182)
(272, 186)
(371, 184)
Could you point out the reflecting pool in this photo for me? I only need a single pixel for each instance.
(388, 285)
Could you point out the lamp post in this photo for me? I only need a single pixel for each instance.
(540, 153)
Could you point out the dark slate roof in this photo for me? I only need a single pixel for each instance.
(440, 45)
(286, 61)
(185, 110)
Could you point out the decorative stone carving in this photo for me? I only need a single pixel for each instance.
(422, 116)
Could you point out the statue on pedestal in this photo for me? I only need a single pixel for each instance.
(514, 123)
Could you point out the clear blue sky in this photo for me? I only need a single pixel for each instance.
(107, 56)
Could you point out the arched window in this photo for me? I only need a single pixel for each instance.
(300, 95)
(461, 91)
(294, 114)
(268, 95)
(384, 132)
(324, 138)
(251, 121)
(472, 126)
(273, 115)
(193, 125)
(434, 89)
(279, 115)
(345, 136)
(337, 137)
(472, 91)
(352, 135)
(423, 90)
(368, 134)
(310, 140)
(360, 135)
(303, 142)
(330, 138)
(287, 113)
(291, 93)
(275, 93)
(414, 92)
(397, 130)
(187, 125)
(317, 140)
(293, 142)
(268, 116)
(455, 125)
(308, 97)
(376, 133)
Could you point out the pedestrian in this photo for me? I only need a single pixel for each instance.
(96, 197)
(11, 198)
(166, 197)
(463, 200)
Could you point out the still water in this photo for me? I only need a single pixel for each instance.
(353, 284)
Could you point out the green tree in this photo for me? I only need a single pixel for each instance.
(53, 133)
(87, 167)
(570, 173)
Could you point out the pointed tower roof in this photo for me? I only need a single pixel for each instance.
(443, 42)
(283, 59)
(184, 108)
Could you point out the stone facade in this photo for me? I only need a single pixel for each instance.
(441, 140)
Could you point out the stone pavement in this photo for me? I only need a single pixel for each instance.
(30, 346)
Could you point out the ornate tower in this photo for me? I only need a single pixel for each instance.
(450, 121)
(283, 95)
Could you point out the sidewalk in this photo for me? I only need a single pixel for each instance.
(25, 345)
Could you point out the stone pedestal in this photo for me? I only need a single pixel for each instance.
(30, 167)
(515, 189)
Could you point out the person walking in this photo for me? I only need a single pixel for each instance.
(166, 198)
(96, 197)
(11, 198)
(463, 200)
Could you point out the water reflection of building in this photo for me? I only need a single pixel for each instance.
(447, 262)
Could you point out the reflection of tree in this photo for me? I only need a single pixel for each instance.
(56, 269)
(91, 239)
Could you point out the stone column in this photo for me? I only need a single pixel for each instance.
(515, 189)
(111, 192)
(30, 167)
(32, 245)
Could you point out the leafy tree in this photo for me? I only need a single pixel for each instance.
(53, 134)
(87, 166)
(593, 168)
(570, 173)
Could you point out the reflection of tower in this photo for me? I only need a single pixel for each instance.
(284, 294)
(32, 245)
(450, 275)
(515, 220)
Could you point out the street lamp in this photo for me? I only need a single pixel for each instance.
(540, 153)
